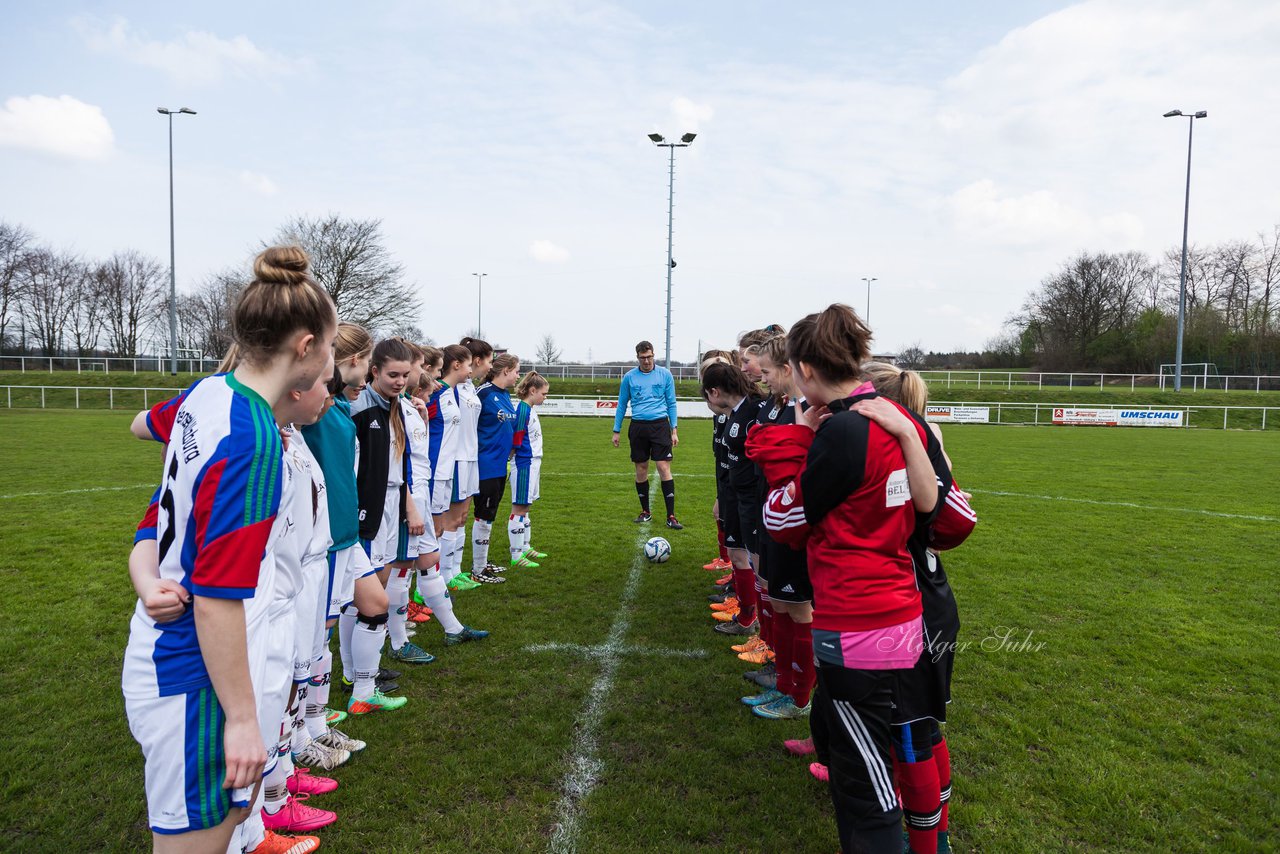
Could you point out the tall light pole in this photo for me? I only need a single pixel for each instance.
(479, 303)
(1186, 214)
(173, 276)
(671, 189)
(867, 318)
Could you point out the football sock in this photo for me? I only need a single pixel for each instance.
(528, 530)
(917, 777)
(642, 489)
(764, 608)
(318, 693)
(431, 586)
(447, 567)
(459, 546)
(366, 651)
(782, 631)
(480, 533)
(346, 629)
(252, 831)
(942, 759)
(516, 527)
(275, 791)
(669, 496)
(299, 737)
(802, 661)
(744, 584)
(724, 553)
(397, 606)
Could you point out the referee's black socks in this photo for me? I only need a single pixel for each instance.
(669, 495)
(642, 489)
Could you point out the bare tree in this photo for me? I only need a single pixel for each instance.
(547, 353)
(204, 315)
(1268, 276)
(132, 291)
(412, 332)
(15, 244)
(49, 291)
(911, 357)
(349, 259)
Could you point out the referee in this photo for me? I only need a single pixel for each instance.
(651, 392)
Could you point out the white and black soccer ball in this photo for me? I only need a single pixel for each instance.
(657, 550)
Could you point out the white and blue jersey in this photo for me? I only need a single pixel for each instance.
(217, 527)
(651, 394)
(443, 424)
(496, 430)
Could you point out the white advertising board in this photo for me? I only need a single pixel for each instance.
(1119, 417)
(958, 414)
(609, 408)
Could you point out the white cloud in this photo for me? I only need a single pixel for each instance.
(980, 211)
(195, 57)
(63, 126)
(547, 252)
(259, 183)
(689, 116)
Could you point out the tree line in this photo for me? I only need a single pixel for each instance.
(58, 302)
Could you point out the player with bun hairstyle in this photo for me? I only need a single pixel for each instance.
(851, 492)
(496, 433)
(789, 591)
(444, 422)
(922, 758)
(728, 392)
(387, 517)
(526, 473)
(189, 684)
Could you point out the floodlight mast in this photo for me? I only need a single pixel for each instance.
(660, 141)
(1186, 215)
(173, 278)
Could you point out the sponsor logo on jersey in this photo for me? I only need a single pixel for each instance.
(773, 416)
(373, 425)
(190, 443)
(733, 430)
(897, 489)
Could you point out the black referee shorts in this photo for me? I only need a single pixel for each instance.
(650, 440)
(489, 497)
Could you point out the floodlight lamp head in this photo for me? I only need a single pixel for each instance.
(188, 111)
(688, 138)
(1172, 113)
(656, 137)
(162, 111)
(1203, 114)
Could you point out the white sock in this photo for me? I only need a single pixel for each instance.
(398, 606)
(275, 791)
(480, 533)
(431, 586)
(448, 568)
(252, 830)
(346, 629)
(459, 546)
(366, 649)
(515, 535)
(318, 694)
(528, 531)
(299, 738)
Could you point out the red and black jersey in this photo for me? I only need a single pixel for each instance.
(718, 453)
(850, 505)
(743, 474)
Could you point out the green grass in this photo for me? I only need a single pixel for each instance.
(1143, 722)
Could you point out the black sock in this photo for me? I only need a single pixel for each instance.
(669, 495)
(642, 489)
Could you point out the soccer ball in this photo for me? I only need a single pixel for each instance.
(657, 550)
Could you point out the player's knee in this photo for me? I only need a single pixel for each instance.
(372, 621)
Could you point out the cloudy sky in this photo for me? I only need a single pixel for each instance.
(955, 151)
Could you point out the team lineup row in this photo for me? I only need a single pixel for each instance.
(833, 499)
(303, 486)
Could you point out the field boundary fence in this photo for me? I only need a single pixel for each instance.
(1008, 380)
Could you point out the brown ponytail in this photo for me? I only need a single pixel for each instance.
(502, 362)
(531, 381)
(282, 299)
(453, 354)
(729, 379)
(479, 349)
(834, 342)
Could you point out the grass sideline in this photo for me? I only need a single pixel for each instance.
(1143, 721)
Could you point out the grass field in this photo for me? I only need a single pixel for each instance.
(1115, 688)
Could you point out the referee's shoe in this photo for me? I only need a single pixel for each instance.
(674, 524)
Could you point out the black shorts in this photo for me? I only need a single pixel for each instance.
(489, 497)
(742, 521)
(650, 440)
(786, 570)
(924, 690)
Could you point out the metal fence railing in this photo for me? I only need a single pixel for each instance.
(997, 412)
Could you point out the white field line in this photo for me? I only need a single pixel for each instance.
(79, 491)
(601, 650)
(1128, 504)
(585, 765)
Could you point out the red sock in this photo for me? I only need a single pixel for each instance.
(744, 586)
(724, 553)
(766, 616)
(782, 630)
(802, 655)
(921, 804)
(942, 760)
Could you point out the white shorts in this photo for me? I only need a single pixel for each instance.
(466, 479)
(345, 566)
(525, 482)
(393, 536)
(309, 616)
(181, 739)
(441, 496)
(426, 542)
